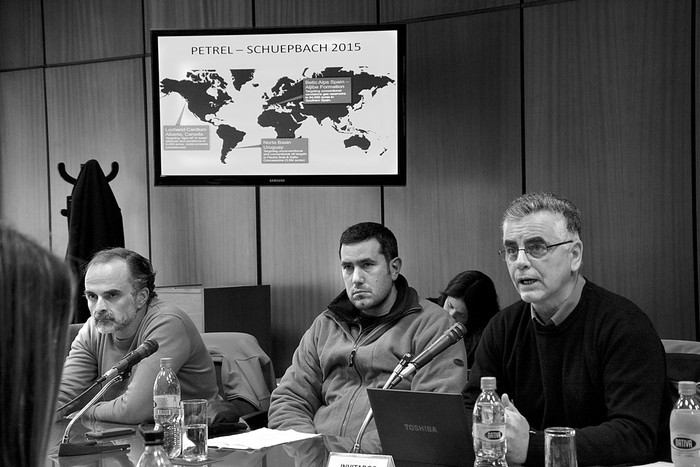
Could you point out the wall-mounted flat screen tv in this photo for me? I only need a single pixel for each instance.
(293, 106)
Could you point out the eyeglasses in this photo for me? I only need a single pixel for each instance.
(533, 250)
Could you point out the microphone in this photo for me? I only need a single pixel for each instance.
(394, 374)
(452, 335)
(144, 350)
(405, 360)
(91, 447)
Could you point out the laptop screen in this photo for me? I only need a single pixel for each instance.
(419, 428)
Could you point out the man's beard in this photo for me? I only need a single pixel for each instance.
(106, 323)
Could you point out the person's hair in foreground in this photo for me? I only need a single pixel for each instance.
(140, 269)
(367, 230)
(36, 304)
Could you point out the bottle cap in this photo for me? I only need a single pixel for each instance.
(166, 362)
(687, 387)
(488, 382)
(152, 436)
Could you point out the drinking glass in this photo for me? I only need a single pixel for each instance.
(194, 430)
(560, 447)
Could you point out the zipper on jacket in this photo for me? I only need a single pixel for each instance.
(362, 336)
(351, 360)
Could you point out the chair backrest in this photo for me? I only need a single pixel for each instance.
(682, 362)
(244, 370)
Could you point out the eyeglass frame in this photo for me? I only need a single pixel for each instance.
(506, 258)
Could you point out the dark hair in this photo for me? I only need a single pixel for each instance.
(140, 269)
(36, 306)
(531, 203)
(367, 230)
(479, 295)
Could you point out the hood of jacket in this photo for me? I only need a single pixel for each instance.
(407, 301)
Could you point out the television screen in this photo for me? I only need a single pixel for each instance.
(302, 106)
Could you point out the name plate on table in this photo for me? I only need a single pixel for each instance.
(344, 459)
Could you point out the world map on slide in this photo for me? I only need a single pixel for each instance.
(242, 109)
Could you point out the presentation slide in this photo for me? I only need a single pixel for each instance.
(277, 103)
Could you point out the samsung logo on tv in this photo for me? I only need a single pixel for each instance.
(277, 180)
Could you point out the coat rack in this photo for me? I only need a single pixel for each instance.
(65, 176)
(94, 221)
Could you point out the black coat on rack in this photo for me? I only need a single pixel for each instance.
(94, 222)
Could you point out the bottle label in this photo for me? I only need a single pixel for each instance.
(685, 444)
(166, 401)
(490, 433)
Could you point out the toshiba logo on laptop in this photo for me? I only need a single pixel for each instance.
(426, 428)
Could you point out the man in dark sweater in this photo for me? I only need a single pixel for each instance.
(570, 353)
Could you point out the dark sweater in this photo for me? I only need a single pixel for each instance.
(602, 371)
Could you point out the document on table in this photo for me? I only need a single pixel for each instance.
(258, 439)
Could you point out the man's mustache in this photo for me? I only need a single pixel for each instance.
(104, 316)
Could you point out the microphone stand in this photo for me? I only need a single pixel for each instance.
(451, 336)
(403, 363)
(398, 378)
(91, 447)
(79, 395)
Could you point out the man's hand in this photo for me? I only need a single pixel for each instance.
(517, 433)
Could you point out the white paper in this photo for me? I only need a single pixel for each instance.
(258, 439)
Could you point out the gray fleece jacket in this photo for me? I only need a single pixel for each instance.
(341, 355)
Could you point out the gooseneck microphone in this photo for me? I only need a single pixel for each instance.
(148, 347)
(394, 374)
(408, 365)
(66, 448)
(449, 338)
(119, 372)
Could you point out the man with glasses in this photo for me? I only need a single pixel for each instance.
(570, 353)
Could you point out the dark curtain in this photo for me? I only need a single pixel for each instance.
(94, 223)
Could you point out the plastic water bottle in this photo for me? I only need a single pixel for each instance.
(166, 406)
(489, 427)
(153, 453)
(685, 427)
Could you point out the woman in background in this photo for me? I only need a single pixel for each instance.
(471, 299)
(36, 291)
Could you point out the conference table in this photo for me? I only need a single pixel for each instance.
(311, 452)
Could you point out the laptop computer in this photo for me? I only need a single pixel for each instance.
(422, 428)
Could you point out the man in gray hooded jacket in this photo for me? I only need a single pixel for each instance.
(358, 340)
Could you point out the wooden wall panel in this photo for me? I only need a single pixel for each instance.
(97, 111)
(301, 229)
(204, 235)
(463, 149)
(24, 192)
(20, 34)
(269, 13)
(607, 119)
(78, 30)
(200, 14)
(401, 10)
